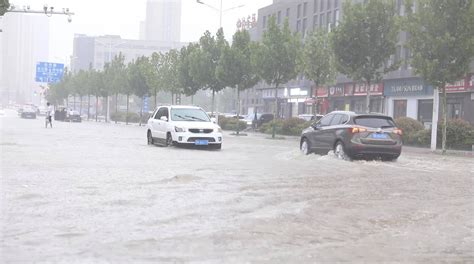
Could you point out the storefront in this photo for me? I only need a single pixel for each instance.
(319, 101)
(356, 97)
(460, 99)
(409, 97)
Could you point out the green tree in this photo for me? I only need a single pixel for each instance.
(139, 72)
(442, 43)
(365, 40)
(275, 59)
(317, 62)
(205, 60)
(170, 73)
(98, 88)
(116, 77)
(155, 78)
(235, 68)
(185, 79)
(4, 5)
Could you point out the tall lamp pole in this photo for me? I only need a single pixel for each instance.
(221, 11)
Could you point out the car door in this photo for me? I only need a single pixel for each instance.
(317, 135)
(329, 134)
(156, 124)
(164, 125)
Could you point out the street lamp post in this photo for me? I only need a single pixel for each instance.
(221, 11)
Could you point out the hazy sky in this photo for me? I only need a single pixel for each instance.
(120, 17)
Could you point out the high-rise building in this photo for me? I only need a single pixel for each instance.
(24, 42)
(163, 20)
(95, 52)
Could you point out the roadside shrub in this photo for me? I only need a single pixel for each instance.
(459, 135)
(133, 117)
(230, 123)
(119, 116)
(289, 127)
(410, 127)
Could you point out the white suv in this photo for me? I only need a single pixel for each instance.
(177, 124)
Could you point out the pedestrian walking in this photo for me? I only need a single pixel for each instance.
(49, 115)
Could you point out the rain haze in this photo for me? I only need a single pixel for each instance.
(109, 17)
(310, 131)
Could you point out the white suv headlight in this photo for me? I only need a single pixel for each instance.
(179, 129)
(218, 130)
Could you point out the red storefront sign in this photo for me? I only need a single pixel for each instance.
(465, 85)
(322, 92)
(336, 91)
(361, 89)
(457, 87)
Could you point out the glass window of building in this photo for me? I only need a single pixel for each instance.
(315, 6)
(287, 12)
(315, 22)
(305, 7)
(425, 110)
(298, 26)
(329, 4)
(279, 17)
(322, 22)
(321, 6)
(264, 21)
(399, 108)
(336, 17)
(298, 11)
(304, 27)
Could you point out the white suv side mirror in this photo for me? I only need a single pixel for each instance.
(214, 120)
(164, 118)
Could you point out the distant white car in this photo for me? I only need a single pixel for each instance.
(183, 125)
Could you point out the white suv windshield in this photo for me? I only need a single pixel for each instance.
(190, 114)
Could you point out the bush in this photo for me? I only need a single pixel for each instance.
(289, 127)
(230, 123)
(120, 117)
(459, 135)
(409, 127)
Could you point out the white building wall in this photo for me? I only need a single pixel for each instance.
(412, 105)
(25, 41)
(163, 20)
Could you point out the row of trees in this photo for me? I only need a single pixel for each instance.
(359, 47)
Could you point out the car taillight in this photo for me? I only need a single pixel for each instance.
(358, 130)
(398, 131)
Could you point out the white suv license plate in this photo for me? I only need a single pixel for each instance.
(201, 142)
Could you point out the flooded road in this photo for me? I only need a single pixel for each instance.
(97, 193)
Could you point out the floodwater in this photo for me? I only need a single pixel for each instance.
(96, 193)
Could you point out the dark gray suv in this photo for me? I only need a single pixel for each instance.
(353, 136)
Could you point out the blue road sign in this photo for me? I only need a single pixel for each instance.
(47, 72)
(145, 104)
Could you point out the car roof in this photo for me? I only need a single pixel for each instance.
(181, 106)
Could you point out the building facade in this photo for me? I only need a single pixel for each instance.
(163, 21)
(95, 52)
(24, 42)
(401, 93)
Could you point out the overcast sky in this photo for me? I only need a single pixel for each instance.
(120, 17)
